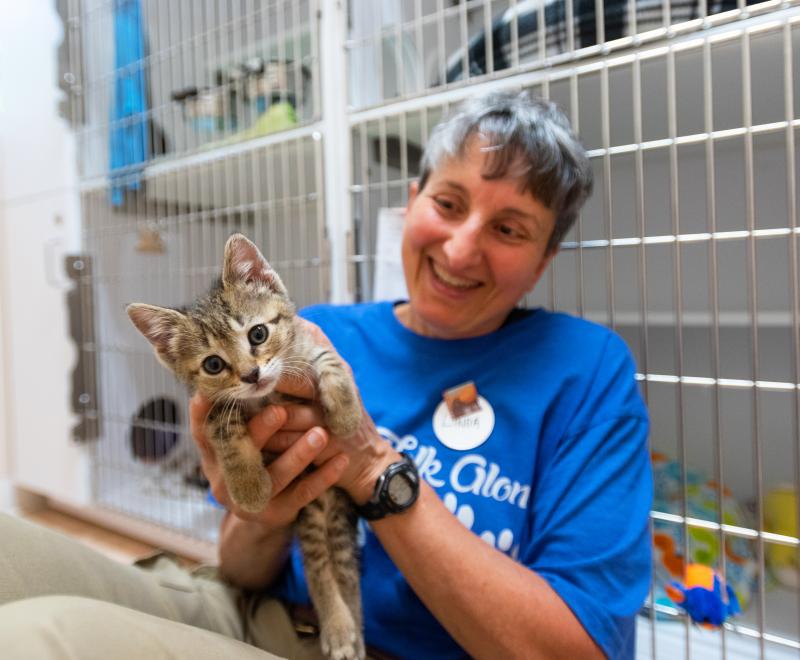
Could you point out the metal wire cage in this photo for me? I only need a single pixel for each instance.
(199, 120)
(688, 247)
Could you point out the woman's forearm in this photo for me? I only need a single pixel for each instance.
(491, 605)
(250, 555)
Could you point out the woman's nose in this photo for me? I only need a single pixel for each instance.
(462, 247)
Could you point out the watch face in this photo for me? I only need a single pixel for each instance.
(400, 490)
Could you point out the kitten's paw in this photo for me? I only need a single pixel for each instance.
(251, 490)
(344, 421)
(341, 640)
(341, 407)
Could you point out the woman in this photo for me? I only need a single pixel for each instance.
(527, 533)
(556, 480)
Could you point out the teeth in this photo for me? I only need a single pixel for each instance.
(452, 280)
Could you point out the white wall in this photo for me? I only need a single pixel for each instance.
(39, 223)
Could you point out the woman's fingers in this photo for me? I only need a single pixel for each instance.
(301, 418)
(299, 386)
(284, 507)
(298, 448)
(291, 488)
(311, 487)
(290, 417)
(266, 423)
(199, 407)
(281, 441)
(291, 463)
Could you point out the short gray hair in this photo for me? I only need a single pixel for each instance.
(529, 139)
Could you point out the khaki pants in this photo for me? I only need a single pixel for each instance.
(61, 600)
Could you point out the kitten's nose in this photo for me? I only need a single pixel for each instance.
(252, 377)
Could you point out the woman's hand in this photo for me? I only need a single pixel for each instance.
(290, 493)
(368, 453)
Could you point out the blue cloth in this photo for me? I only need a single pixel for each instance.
(128, 143)
(562, 484)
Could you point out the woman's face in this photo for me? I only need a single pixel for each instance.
(472, 248)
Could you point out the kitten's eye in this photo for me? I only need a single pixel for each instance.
(258, 334)
(213, 364)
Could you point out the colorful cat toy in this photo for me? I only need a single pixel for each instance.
(704, 596)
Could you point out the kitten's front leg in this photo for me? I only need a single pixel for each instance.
(337, 392)
(248, 483)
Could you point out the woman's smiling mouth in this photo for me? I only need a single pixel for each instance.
(449, 280)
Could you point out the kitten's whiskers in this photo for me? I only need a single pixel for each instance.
(298, 368)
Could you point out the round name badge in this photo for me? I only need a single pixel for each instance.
(467, 431)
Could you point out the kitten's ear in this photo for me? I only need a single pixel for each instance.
(245, 264)
(159, 325)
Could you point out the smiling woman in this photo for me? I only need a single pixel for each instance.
(501, 184)
(471, 249)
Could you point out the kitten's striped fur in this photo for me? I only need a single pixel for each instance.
(220, 324)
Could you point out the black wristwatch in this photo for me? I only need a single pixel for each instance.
(395, 491)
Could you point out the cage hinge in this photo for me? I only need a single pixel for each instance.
(80, 307)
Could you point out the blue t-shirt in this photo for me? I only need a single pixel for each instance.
(553, 469)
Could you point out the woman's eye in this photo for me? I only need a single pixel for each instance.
(508, 231)
(444, 204)
(258, 334)
(213, 364)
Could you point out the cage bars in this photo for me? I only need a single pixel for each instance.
(208, 185)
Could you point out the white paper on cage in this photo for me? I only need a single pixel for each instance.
(389, 283)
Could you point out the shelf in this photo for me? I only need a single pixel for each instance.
(211, 152)
(174, 179)
(693, 319)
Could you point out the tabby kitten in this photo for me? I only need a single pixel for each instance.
(233, 345)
